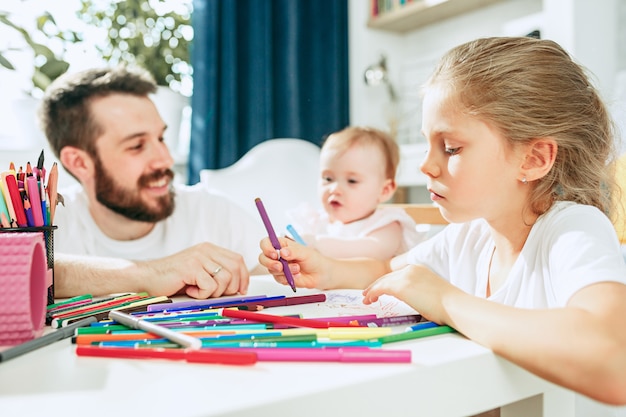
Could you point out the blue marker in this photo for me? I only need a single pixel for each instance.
(421, 326)
(295, 235)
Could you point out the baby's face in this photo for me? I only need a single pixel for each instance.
(352, 182)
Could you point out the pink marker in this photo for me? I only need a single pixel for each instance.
(32, 189)
(343, 354)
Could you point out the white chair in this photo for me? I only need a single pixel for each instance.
(282, 172)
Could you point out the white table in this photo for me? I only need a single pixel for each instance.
(449, 376)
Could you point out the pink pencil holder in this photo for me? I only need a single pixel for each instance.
(26, 282)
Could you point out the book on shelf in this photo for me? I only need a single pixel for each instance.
(378, 7)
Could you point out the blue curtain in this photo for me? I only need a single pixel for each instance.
(265, 69)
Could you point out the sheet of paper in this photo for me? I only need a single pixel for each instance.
(338, 302)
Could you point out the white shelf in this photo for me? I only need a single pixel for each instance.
(420, 13)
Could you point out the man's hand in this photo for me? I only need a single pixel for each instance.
(201, 271)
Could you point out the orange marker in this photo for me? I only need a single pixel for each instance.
(53, 178)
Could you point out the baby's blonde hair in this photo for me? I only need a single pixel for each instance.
(529, 88)
(342, 140)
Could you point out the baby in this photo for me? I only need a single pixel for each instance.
(357, 173)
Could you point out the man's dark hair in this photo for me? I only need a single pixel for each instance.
(64, 114)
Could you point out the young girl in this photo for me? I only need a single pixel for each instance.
(357, 172)
(520, 146)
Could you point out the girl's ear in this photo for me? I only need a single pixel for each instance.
(77, 162)
(388, 189)
(539, 158)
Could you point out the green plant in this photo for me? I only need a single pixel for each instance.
(47, 64)
(154, 34)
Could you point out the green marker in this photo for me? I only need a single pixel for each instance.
(69, 300)
(416, 334)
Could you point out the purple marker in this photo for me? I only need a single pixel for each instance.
(275, 242)
(211, 303)
(389, 321)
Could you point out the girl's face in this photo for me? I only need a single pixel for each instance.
(472, 171)
(353, 183)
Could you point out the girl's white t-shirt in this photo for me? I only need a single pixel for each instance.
(569, 247)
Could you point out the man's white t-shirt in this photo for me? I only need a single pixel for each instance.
(569, 247)
(199, 216)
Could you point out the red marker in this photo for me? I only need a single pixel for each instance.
(196, 356)
(290, 321)
(16, 200)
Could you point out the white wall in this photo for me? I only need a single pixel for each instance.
(589, 30)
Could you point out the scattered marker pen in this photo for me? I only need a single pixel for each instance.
(421, 326)
(275, 242)
(296, 236)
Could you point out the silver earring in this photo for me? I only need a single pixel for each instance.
(524, 180)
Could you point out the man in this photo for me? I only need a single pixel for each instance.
(127, 227)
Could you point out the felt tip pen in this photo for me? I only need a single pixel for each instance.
(201, 303)
(189, 327)
(343, 333)
(228, 340)
(284, 345)
(95, 305)
(102, 314)
(281, 344)
(290, 321)
(296, 236)
(389, 321)
(344, 354)
(70, 301)
(87, 339)
(211, 304)
(286, 301)
(189, 355)
(421, 326)
(45, 340)
(415, 334)
(73, 308)
(275, 243)
(226, 337)
(176, 337)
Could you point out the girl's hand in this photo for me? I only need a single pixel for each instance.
(417, 286)
(308, 266)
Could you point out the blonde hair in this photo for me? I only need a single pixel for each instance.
(530, 88)
(342, 140)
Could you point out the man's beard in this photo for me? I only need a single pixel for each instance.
(128, 203)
